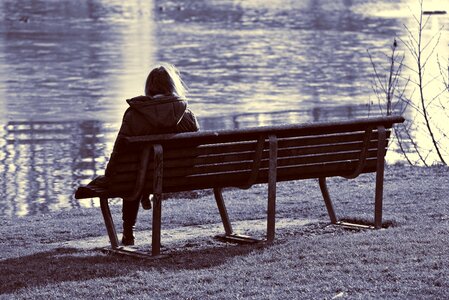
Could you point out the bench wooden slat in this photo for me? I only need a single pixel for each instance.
(245, 146)
(324, 139)
(185, 139)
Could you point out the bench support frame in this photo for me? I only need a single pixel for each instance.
(157, 208)
(157, 200)
(109, 222)
(110, 227)
(381, 145)
(229, 235)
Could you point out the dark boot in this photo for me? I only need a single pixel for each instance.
(130, 210)
(128, 235)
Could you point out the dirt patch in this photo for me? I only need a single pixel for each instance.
(198, 236)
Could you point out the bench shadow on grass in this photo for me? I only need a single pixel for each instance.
(70, 264)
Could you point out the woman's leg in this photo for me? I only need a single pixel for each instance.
(129, 217)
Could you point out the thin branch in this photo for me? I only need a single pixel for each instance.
(415, 146)
(409, 68)
(444, 108)
(440, 68)
(431, 80)
(398, 138)
(426, 21)
(410, 47)
(436, 97)
(375, 70)
(431, 52)
(432, 38)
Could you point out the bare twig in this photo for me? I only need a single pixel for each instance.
(399, 140)
(377, 77)
(415, 146)
(432, 51)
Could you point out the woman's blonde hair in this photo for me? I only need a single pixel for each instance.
(165, 80)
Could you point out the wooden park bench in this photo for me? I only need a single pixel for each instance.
(166, 163)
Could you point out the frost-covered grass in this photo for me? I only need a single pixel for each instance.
(408, 260)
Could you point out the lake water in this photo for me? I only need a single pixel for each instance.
(68, 66)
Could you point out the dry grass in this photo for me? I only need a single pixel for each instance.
(406, 261)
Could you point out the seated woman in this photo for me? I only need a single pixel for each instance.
(163, 109)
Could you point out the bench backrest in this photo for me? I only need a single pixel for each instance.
(240, 157)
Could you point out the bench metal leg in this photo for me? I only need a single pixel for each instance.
(229, 235)
(223, 211)
(115, 248)
(271, 209)
(380, 176)
(156, 227)
(330, 209)
(272, 177)
(327, 200)
(157, 200)
(109, 222)
(381, 145)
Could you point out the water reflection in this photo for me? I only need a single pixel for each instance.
(67, 67)
(42, 162)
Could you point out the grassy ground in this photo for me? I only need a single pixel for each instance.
(408, 260)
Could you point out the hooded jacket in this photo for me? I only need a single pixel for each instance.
(153, 115)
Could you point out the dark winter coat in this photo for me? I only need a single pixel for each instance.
(153, 115)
